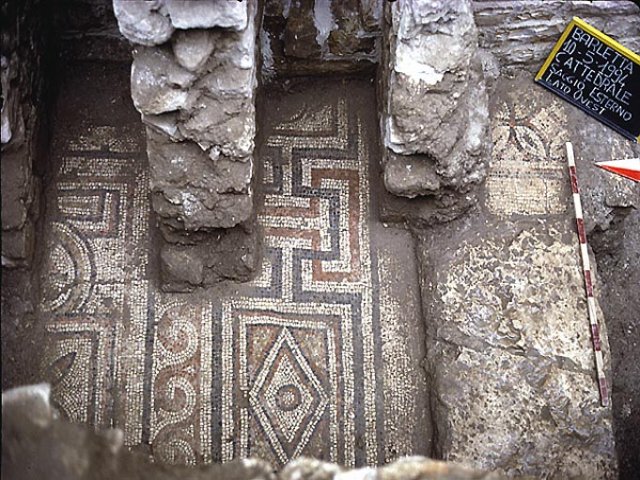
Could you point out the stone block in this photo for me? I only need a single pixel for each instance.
(18, 246)
(228, 124)
(143, 22)
(173, 163)
(232, 176)
(236, 48)
(436, 103)
(198, 192)
(410, 175)
(158, 83)
(371, 14)
(421, 32)
(192, 48)
(349, 36)
(187, 14)
(503, 410)
(228, 81)
(195, 209)
(11, 113)
(31, 401)
(180, 264)
(422, 468)
(510, 353)
(164, 123)
(300, 33)
(185, 164)
(348, 42)
(425, 211)
(414, 468)
(17, 187)
(310, 469)
(14, 209)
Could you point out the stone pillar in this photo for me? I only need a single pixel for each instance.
(193, 80)
(435, 107)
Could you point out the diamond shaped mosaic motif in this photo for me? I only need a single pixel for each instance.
(288, 396)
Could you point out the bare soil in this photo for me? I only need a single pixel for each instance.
(618, 257)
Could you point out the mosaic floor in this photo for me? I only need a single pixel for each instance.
(311, 358)
(533, 130)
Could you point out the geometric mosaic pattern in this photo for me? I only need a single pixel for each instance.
(301, 356)
(527, 165)
(94, 279)
(284, 367)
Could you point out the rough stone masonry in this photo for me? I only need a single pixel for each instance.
(193, 80)
(435, 110)
(23, 89)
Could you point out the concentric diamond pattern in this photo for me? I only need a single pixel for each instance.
(287, 397)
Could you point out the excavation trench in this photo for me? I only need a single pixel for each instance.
(370, 326)
(319, 355)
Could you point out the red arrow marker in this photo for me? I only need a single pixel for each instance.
(629, 168)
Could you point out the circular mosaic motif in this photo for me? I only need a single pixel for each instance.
(69, 271)
(288, 397)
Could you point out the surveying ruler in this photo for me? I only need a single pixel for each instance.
(588, 279)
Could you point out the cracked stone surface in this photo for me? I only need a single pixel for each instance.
(512, 362)
(508, 340)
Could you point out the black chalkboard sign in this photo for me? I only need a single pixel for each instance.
(598, 75)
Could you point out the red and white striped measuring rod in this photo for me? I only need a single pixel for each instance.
(588, 279)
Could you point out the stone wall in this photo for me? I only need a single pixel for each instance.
(25, 82)
(88, 30)
(522, 34)
(23, 35)
(434, 109)
(193, 80)
(302, 37)
(36, 444)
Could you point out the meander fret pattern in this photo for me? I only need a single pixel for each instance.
(284, 368)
